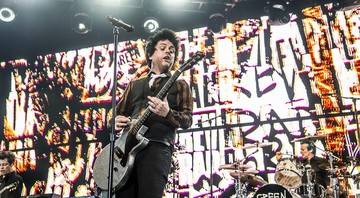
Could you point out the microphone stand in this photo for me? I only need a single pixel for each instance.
(113, 106)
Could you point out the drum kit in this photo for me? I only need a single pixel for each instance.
(244, 176)
(243, 173)
(290, 176)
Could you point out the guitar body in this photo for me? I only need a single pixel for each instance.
(130, 146)
(130, 143)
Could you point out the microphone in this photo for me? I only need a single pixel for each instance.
(120, 23)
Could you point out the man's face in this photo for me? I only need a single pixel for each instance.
(304, 151)
(163, 57)
(5, 167)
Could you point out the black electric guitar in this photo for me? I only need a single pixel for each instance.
(9, 187)
(132, 141)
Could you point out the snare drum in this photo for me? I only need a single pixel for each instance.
(288, 173)
(274, 190)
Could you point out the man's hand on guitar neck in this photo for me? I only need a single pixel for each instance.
(121, 122)
(159, 107)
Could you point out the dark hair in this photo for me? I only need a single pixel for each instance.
(163, 34)
(310, 146)
(7, 155)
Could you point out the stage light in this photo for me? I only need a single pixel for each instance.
(278, 15)
(7, 14)
(81, 23)
(151, 25)
(345, 5)
(216, 22)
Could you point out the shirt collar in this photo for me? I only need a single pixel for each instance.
(151, 73)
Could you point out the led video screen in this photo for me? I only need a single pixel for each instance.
(258, 84)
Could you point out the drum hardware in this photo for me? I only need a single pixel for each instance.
(309, 185)
(241, 173)
(240, 187)
(333, 177)
(234, 166)
(235, 173)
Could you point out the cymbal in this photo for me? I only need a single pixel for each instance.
(249, 178)
(257, 145)
(309, 138)
(236, 173)
(234, 166)
(336, 165)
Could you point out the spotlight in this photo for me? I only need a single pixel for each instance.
(345, 5)
(151, 25)
(7, 14)
(277, 14)
(81, 23)
(216, 22)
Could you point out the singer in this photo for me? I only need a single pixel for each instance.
(11, 184)
(152, 164)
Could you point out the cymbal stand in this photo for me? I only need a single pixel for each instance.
(333, 176)
(310, 184)
(240, 188)
(332, 172)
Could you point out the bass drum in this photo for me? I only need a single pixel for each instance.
(288, 173)
(274, 190)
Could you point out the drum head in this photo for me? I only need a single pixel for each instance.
(288, 174)
(272, 190)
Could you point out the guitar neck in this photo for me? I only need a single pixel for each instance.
(190, 62)
(160, 95)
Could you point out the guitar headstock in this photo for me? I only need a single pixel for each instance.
(13, 186)
(195, 58)
(10, 187)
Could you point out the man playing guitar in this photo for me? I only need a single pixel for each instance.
(152, 164)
